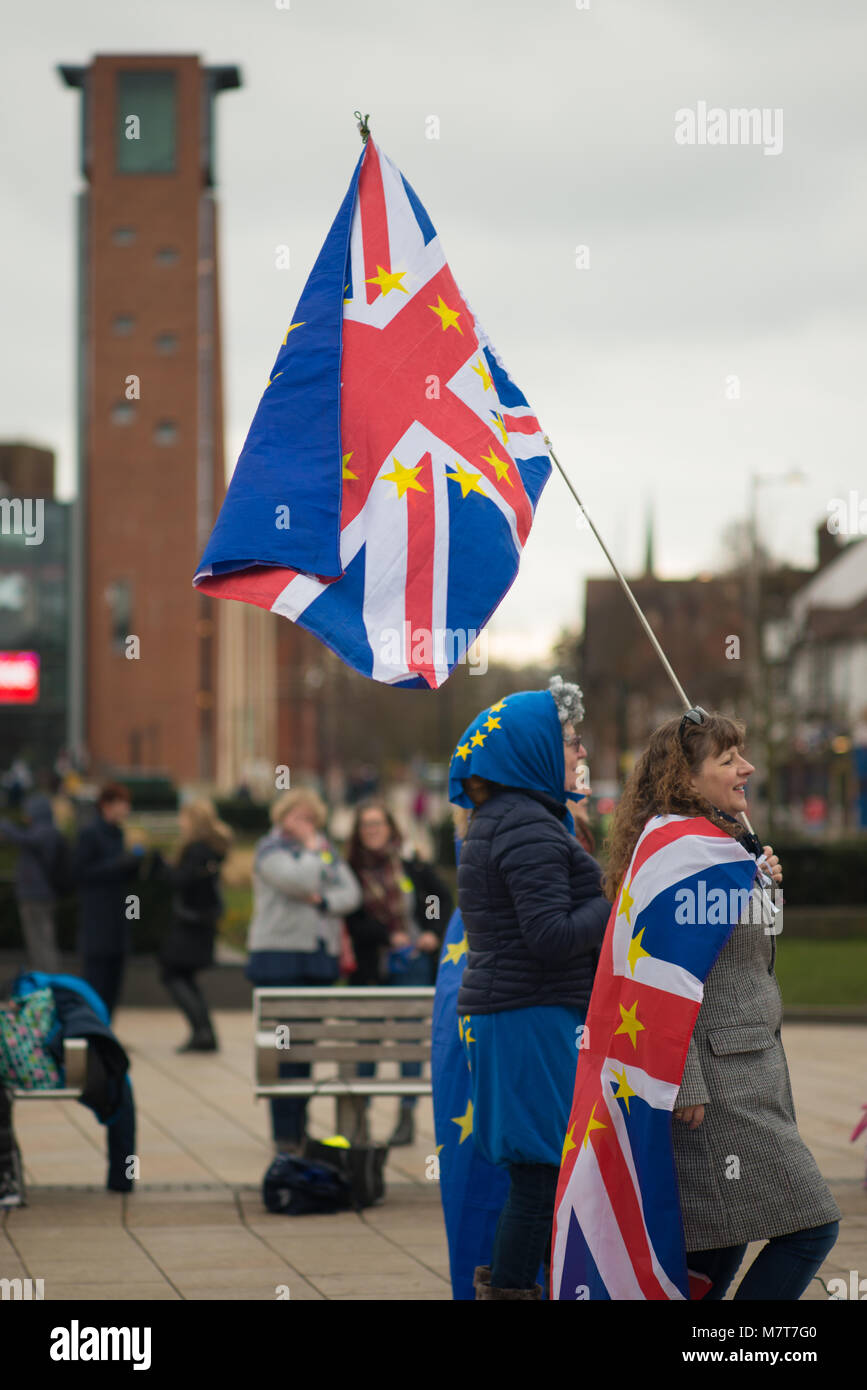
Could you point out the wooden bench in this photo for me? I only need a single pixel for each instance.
(75, 1068)
(340, 1027)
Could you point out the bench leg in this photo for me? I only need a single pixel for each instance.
(352, 1119)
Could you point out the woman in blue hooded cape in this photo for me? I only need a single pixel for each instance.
(534, 913)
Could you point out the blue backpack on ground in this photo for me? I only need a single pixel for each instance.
(297, 1187)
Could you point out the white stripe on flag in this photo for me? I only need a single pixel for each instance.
(652, 1091)
(586, 1194)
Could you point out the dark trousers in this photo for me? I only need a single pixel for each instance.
(780, 1272)
(184, 989)
(8, 1147)
(105, 974)
(523, 1234)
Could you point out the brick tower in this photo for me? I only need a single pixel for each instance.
(151, 473)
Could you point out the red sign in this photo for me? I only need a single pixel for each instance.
(19, 678)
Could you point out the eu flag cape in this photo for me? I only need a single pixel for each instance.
(617, 1226)
(391, 473)
(473, 1191)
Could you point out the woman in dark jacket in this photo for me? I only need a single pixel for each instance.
(397, 931)
(197, 905)
(532, 905)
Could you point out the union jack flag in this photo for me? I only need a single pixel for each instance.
(617, 1226)
(390, 476)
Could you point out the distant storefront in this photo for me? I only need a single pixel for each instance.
(34, 637)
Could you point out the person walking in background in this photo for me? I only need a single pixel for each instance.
(532, 905)
(41, 850)
(106, 871)
(197, 905)
(398, 929)
(301, 892)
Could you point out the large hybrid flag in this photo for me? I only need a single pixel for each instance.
(389, 478)
(617, 1227)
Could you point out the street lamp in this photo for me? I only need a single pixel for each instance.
(761, 685)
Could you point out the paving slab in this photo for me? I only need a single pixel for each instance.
(195, 1228)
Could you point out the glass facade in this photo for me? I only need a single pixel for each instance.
(34, 617)
(148, 143)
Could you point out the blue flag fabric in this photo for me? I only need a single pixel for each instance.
(472, 1191)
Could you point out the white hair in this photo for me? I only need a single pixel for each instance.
(568, 699)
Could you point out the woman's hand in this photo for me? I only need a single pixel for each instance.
(691, 1115)
(428, 941)
(772, 864)
(398, 939)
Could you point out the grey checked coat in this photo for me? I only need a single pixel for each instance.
(736, 1068)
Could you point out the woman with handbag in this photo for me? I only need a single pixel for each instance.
(197, 905)
(301, 892)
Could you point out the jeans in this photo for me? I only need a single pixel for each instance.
(289, 1113)
(524, 1228)
(418, 972)
(37, 924)
(780, 1272)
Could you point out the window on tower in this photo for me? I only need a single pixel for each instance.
(166, 432)
(119, 598)
(146, 122)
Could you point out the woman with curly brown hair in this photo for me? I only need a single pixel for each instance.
(735, 1099)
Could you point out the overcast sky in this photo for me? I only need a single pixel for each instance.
(557, 130)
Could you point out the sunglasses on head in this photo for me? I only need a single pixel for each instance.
(696, 715)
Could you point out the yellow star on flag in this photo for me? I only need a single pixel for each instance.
(624, 1090)
(501, 426)
(491, 722)
(347, 472)
(273, 378)
(465, 1121)
(499, 465)
(403, 478)
(636, 951)
(592, 1124)
(291, 327)
(501, 704)
(568, 1142)
(454, 951)
(627, 902)
(387, 280)
(481, 369)
(448, 317)
(470, 482)
(629, 1023)
(478, 739)
(463, 750)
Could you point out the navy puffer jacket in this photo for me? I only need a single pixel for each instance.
(532, 905)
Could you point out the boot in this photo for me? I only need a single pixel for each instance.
(194, 1009)
(405, 1131)
(485, 1290)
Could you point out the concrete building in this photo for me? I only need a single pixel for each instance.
(151, 469)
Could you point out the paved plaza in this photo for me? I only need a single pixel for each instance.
(195, 1228)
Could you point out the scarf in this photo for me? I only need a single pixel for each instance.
(382, 879)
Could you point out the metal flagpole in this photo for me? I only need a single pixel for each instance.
(682, 695)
